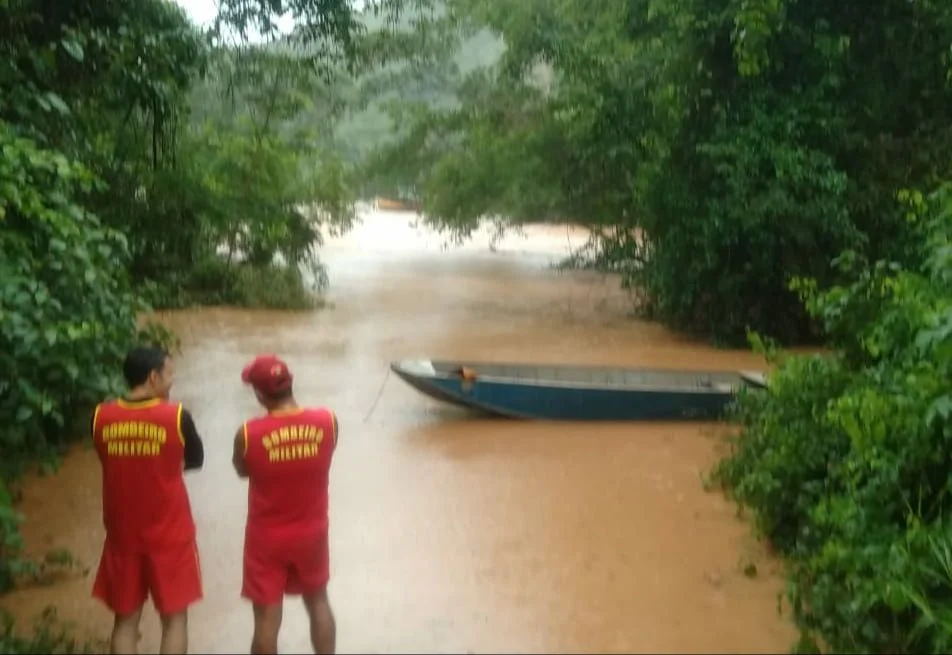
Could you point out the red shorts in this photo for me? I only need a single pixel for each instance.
(171, 575)
(275, 568)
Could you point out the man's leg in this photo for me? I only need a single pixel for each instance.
(174, 633)
(267, 626)
(309, 575)
(323, 626)
(264, 579)
(121, 585)
(125, 633)
(175, 579)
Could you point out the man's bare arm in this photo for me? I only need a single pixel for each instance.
(238, 454)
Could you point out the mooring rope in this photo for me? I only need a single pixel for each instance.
(383, 386)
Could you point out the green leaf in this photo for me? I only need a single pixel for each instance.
(74, 49)
(941, 408)
(57, 103)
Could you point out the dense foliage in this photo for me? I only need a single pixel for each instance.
(746, 142)
(845, 462)
(117, 196)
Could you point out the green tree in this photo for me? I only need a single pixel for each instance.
(747, 141)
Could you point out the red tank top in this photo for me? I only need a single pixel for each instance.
(144, 500)
(288, 459)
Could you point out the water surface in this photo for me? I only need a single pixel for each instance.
(449, 533)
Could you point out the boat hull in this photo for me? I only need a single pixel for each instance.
(562, 400)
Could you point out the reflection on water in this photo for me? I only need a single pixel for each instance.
(454, 533)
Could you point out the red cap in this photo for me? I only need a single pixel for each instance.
(268, 374)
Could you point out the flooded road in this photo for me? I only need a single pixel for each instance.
(454, 534)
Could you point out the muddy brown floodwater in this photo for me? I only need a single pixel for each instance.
(449, 533)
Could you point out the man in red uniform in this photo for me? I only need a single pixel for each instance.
(144, 443)
(286, 456)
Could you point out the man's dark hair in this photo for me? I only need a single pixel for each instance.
(141, 361)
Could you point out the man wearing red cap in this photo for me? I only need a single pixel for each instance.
(286, 456)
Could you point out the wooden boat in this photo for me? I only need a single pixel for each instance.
(578, 393)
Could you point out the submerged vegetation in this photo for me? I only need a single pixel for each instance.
(777, 168)
(50, 636)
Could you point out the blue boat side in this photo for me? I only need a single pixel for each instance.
(565, 403)
(519, 399)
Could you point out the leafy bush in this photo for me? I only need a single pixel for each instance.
(845, 460)
(216, 282)
(67, 315)
(10, 541)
